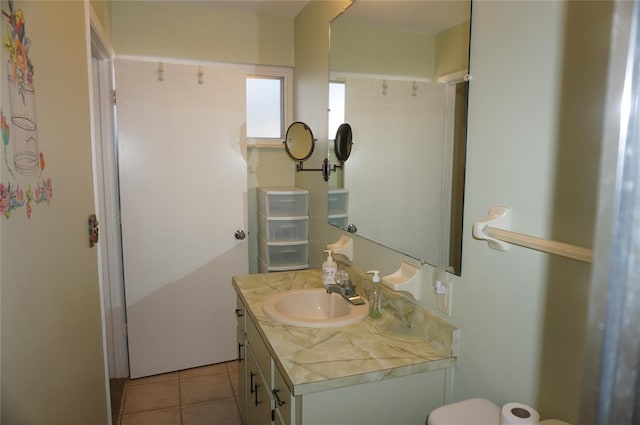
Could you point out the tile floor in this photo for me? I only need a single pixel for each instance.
(199, 396)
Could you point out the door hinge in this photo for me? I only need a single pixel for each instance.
(113, 97)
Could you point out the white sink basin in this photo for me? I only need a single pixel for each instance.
(313, 308)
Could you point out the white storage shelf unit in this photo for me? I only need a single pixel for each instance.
(283, 228)
(338, 207)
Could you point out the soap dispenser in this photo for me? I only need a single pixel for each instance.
(329, 269)
(375, 304)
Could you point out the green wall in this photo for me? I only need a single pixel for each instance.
(197, 30)
(52, 358)
(533, 144)
(452, 51)
(366, 49)
(521, 313)
(102, 10)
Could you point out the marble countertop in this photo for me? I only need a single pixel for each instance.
(314, 359)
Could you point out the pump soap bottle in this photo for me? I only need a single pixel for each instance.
(329, 269)
(375, 305)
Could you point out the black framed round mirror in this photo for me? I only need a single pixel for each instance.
(343, 142)
(299, 142)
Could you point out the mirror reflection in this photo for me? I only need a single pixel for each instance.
(343, 142)
(299, 142)
(398, 76)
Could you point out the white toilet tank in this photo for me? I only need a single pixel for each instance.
(478, 411)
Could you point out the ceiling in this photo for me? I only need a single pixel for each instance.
(262, 7)
(423, 16)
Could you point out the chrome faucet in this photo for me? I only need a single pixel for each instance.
(344, 287)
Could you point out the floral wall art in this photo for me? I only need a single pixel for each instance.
(23, 159)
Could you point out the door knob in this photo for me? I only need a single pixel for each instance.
(240, 235)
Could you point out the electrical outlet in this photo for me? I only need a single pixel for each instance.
(443, 301)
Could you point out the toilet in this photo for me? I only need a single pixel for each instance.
(477, 411)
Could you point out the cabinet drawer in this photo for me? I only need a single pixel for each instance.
(275, 229)
(241, 315)
(240, 381)
(263, 358)
(337, 201)
(263, 268)
(283, 254)
(284, 202)
(340, 220)
(282, 397)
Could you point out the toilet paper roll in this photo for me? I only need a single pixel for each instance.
(518, 414)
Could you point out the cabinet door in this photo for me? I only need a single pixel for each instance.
(282, 398)
(278, 419)
(259, 349)
(241, 384)
(241, 315)
(259, 404)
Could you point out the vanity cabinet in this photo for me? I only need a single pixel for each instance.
(241, 315)
(283, 228)
(268, 400)
(265, 398)
(259, 404)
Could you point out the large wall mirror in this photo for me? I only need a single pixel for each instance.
(398, 76)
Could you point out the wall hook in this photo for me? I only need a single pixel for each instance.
(384, 87)
(200, 75)
(160, 71)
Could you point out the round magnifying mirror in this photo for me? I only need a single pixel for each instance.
(343, 142)
(299, 141)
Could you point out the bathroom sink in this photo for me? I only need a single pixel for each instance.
(313, 308)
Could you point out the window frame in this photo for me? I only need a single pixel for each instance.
(343, 82)
(286, 75)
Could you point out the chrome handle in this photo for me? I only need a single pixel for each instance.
(240, 235)
(256, 393)
(275, 392)
(251, 386)
(240, 347)
(352, 228)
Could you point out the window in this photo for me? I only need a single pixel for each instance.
(264, 107)
(336, 107)
(267, 105)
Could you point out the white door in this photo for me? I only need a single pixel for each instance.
(183, 196)
(107, 209)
